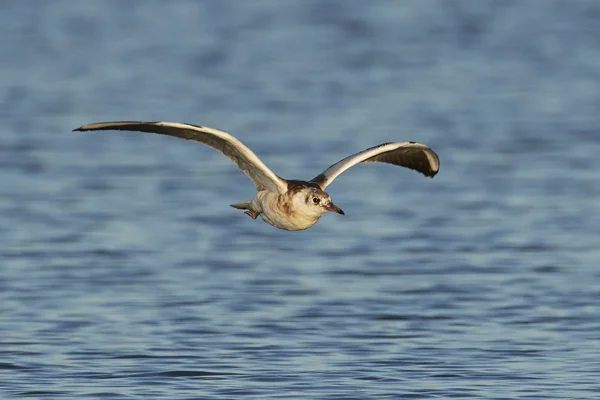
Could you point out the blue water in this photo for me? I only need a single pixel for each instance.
(124, 273)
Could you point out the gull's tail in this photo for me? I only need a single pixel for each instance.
(241, 206)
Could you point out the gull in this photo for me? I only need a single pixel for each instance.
(286, 204)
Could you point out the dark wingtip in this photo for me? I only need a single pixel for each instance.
(77, 129)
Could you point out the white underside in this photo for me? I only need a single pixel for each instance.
(268, 204)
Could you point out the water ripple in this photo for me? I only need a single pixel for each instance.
(125, 274)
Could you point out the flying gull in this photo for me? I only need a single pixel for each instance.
(286, 204)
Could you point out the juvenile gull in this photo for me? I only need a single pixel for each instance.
(286, 204)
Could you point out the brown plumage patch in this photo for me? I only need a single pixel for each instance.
(285, 204)
(294, 187)
(413, 158)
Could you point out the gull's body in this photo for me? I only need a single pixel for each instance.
(286, 204)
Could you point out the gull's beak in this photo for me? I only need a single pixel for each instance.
(333, 207)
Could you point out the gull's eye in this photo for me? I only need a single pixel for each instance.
(316, 200)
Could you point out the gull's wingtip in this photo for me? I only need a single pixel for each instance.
(82, 128)
(433, 173)
(434, 162)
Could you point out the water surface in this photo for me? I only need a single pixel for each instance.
(125, 274)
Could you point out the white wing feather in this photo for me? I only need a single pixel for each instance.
(227, 144)
(411, 155)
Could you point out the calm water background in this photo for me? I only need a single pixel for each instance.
(125, 274)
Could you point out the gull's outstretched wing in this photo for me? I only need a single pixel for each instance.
(235, 150)
(406, 154)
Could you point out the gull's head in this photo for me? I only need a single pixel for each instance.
(314, 202)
